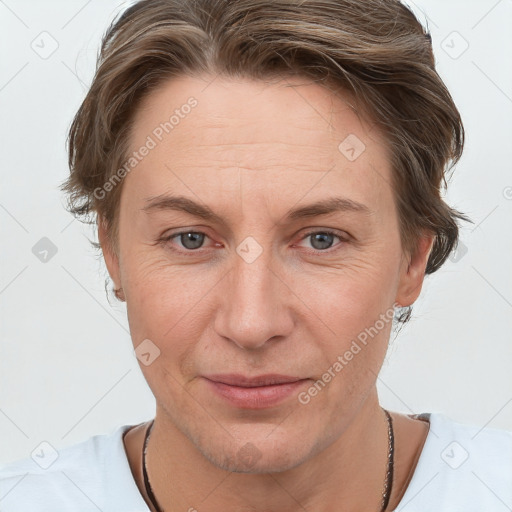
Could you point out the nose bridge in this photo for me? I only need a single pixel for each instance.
(252, 275)
(253, 307)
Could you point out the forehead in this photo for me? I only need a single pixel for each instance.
(311, 113)
(297, 129)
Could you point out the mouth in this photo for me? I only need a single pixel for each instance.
(258, 392)
(242, 381)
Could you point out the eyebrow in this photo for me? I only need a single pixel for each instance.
(323, 207)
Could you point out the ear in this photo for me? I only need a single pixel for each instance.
(109, 254)
(412, 272)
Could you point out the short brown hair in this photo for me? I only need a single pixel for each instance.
(374, 49)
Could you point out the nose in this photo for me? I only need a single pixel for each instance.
(255, 304)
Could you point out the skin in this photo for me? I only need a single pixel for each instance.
(252, 151)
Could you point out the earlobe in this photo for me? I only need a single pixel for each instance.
(413, 271)
(109, 254)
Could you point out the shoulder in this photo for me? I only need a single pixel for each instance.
(462, 466)
(94, 474)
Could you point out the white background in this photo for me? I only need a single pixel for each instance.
(67, 369)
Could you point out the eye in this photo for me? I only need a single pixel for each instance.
(189, 240)
(321, 241)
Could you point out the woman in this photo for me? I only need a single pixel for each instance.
(266, 181)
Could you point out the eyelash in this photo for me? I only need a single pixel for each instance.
(168, 238)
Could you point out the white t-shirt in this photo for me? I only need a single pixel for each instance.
(462, 468)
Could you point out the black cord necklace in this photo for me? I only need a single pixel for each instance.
(388, 484)
(149, 492)
(386, 492)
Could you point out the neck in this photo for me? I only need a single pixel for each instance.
(351, 471)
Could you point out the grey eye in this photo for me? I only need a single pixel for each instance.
(192, 240)
(321, 240)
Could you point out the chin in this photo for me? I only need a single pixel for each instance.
(258, 457)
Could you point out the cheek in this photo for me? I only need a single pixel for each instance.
(351, 296)
(166, 303)
(164, 308)
(354, 313)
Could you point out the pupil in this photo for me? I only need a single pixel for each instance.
(192, 240)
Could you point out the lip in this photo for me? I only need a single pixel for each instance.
(254, 392)
(239, 380)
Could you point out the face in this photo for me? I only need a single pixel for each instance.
(227, 268)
